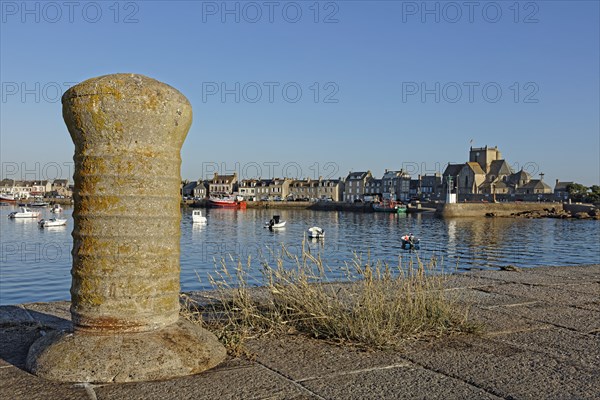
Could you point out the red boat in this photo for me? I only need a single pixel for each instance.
(226, 203)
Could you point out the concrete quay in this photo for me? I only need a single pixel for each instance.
(541, 341)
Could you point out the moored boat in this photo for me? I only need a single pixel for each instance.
(56, 209)
(39, 204)
(316, 233)
(275, 223)
(47, 223)
(24, 212)
(409, 242)
(198, 218)
(226, 203)
(389, 206)
(7, 198)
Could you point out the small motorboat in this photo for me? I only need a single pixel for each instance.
(198, 218)
(409, 242)
(275, 223)
(46, 223)
(316, 233)
(24, 212)
(56, 209)
(39, 204)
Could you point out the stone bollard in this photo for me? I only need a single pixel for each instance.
(128, 131)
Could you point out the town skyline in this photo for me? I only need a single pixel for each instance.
(332, 86)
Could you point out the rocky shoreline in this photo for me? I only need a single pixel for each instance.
(553, 212)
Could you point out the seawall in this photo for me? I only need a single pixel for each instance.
(498, 209)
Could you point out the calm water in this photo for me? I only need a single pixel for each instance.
(35, 263)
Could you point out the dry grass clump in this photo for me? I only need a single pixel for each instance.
(378, 307)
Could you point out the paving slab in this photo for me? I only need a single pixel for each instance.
(17, 384)
(494, 322)
(15, 342)
(402, 382)
(581, 320)
(55, 315)
(561, 294)
(302, 358)
(249, 382)
(560, 343)
(523, 276)
(508, 371)
(14, 315)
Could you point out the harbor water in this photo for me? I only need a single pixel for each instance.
(35, 262)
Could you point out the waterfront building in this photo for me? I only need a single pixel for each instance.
(534, 186)
(188, 188)
(355, 184)
(223, 185)
(560, 190)
(26, 189)
(201, 189)
(373, 189)
(430, 185)
(395, 185)
(247, 189)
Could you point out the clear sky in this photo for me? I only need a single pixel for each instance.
(306, 88)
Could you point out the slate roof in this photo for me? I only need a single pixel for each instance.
(453, 169)
(500, 168)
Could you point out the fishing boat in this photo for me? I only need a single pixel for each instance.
(275, 223)
(24, 212)
(198, 218)
(7, 198)
(47, 223)
(389, 206)
(226, 203)
(56, 209)
(316, 233)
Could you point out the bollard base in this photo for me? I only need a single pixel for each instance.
(177, 350)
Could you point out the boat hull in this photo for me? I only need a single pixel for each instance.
(216, 203)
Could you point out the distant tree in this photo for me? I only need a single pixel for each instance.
(577, 191)
(594, 194)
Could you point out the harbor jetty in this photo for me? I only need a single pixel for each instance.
(540, 340)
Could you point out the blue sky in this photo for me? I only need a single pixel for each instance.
(384, 84)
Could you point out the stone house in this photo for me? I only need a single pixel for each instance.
(279, 188)
(247, 189)
(300, 189)
(188, 188)
(430, 185)
(201, 189)
(223, 185)
(355, 184)
(60, 187)
(373, 188)
(560, 190)
(395, 185)
(534, 186)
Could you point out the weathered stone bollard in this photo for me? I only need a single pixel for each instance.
(128, 131)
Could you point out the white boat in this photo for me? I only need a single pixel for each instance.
(56, 209)
(8, 198)
(316, 233)
(45, 223)
(198, 218)
(275, 223)
(24, 212)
